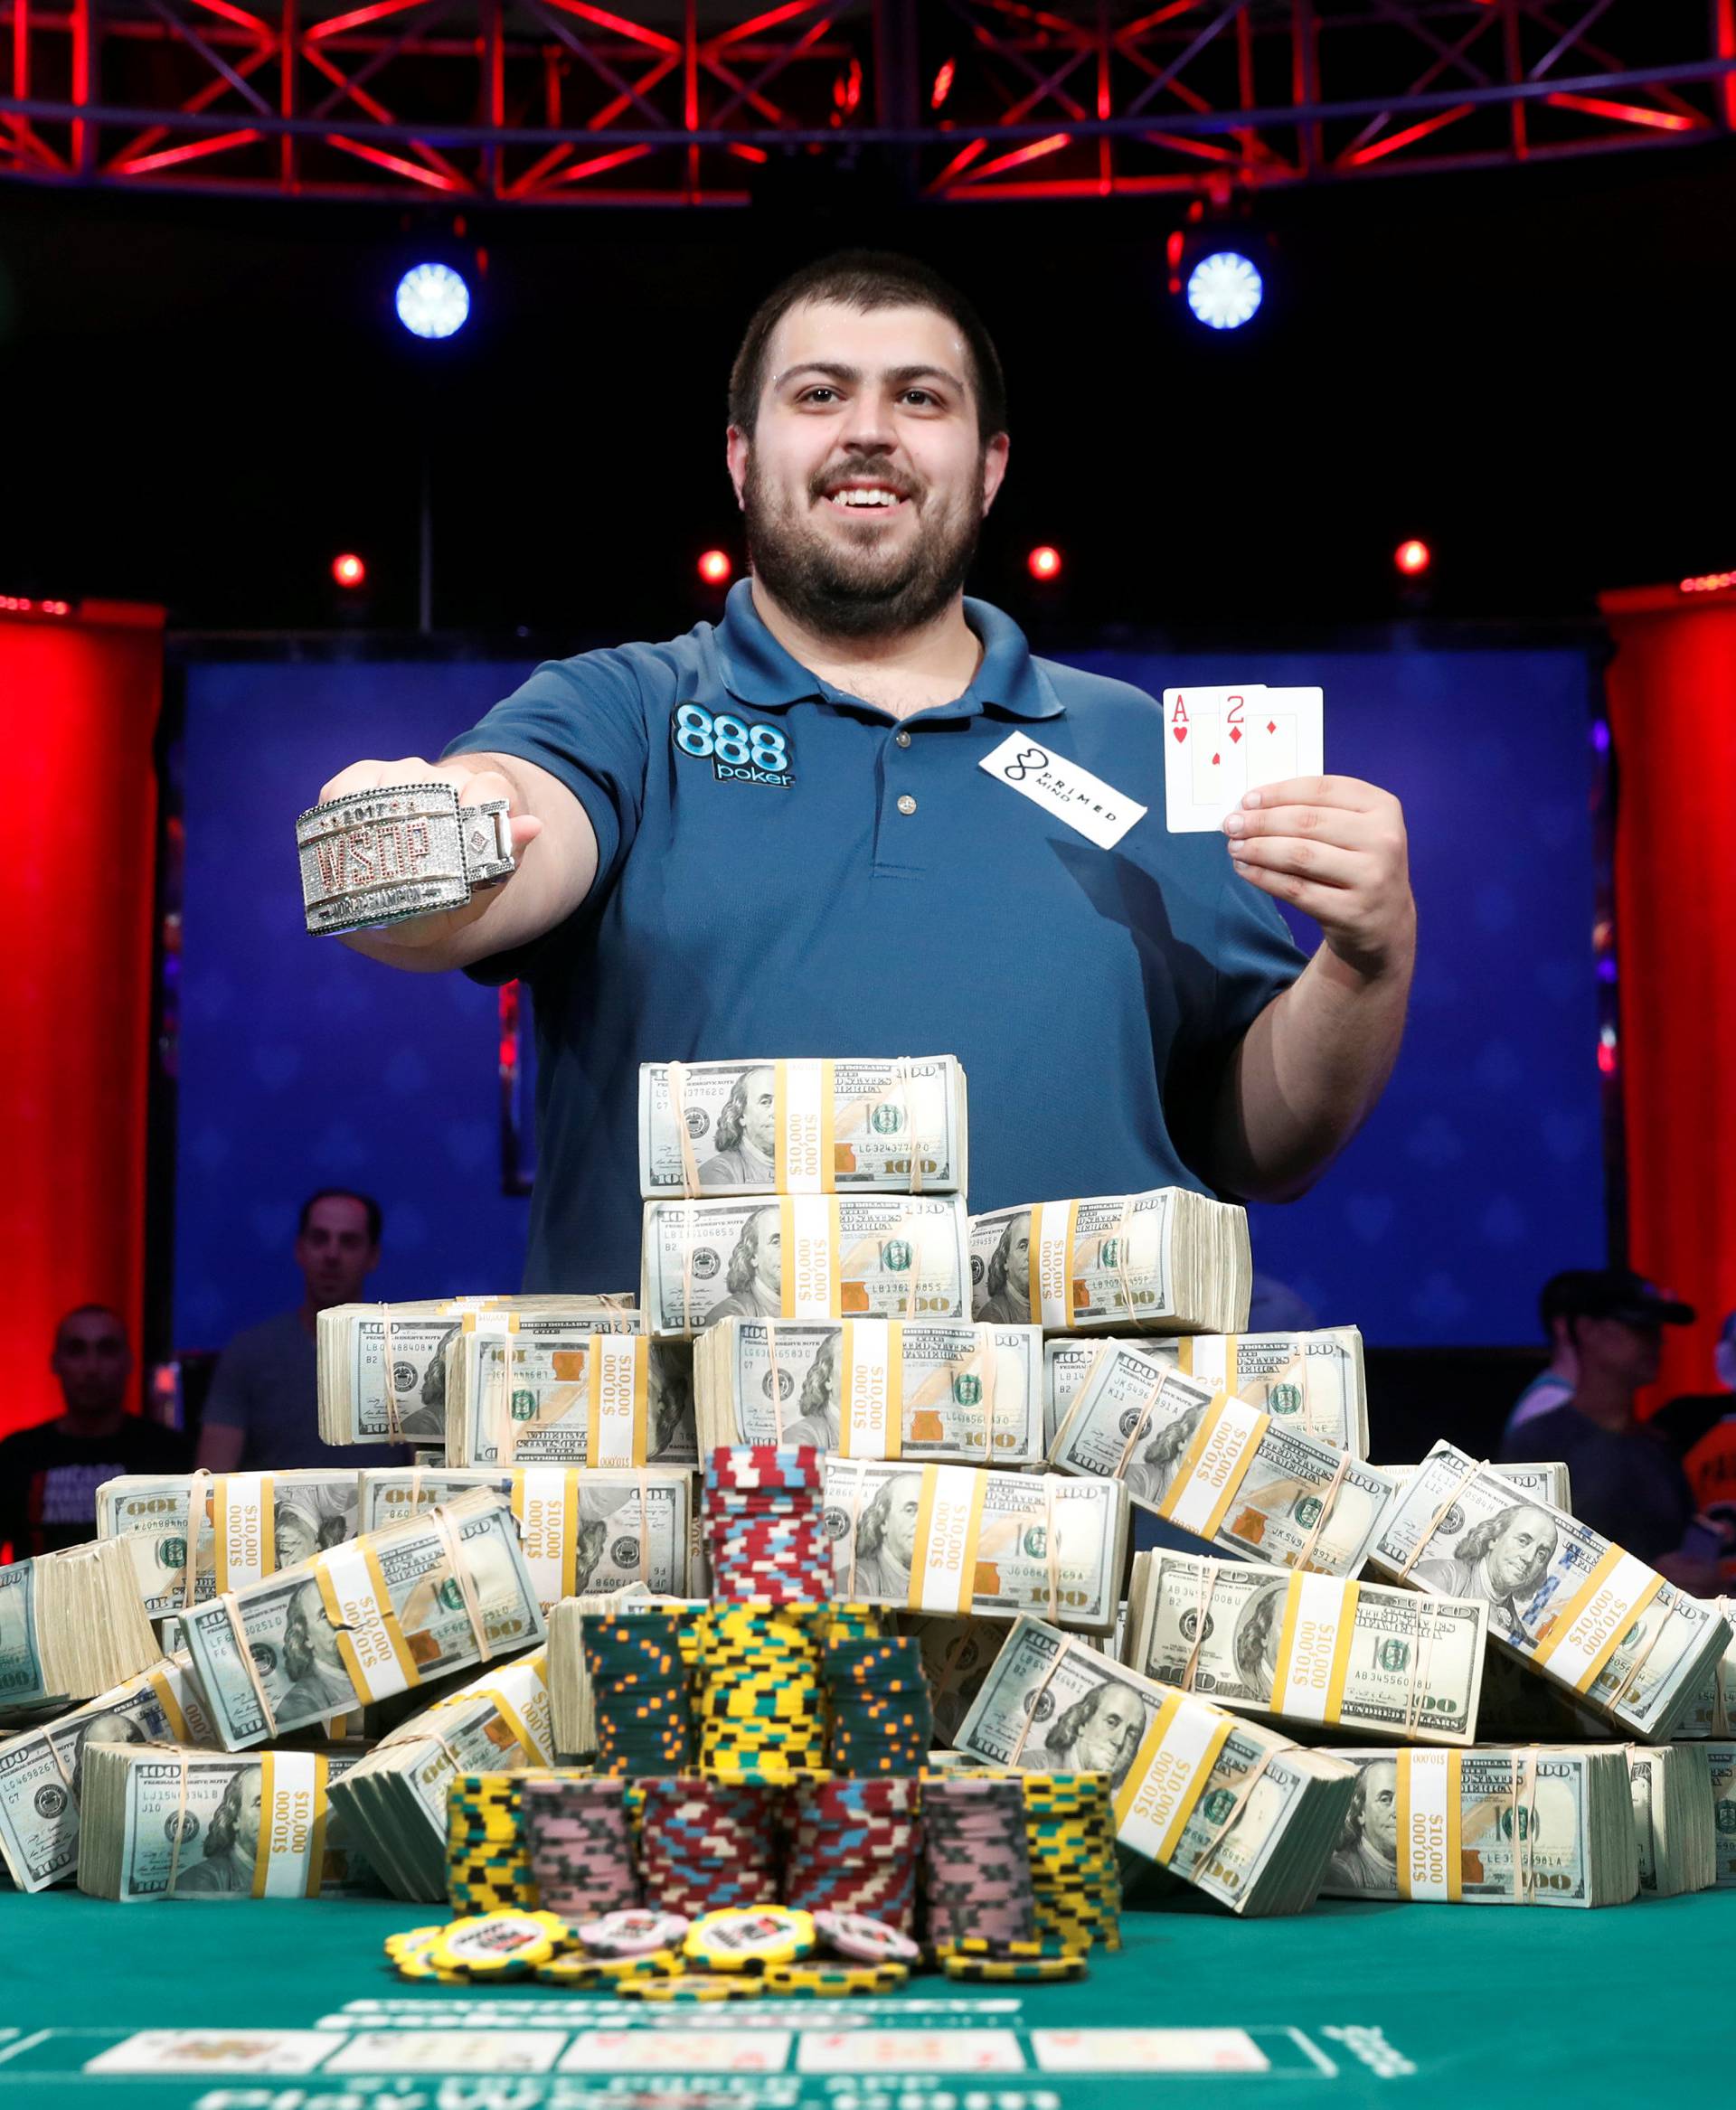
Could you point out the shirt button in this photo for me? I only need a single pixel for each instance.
(907, 804)
(901, 740)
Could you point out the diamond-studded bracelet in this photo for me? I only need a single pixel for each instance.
(404, 850)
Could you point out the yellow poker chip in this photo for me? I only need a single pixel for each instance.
(750, 1937)
(835, 1978)
(415, 1963)
(699, 1985)
(1010, 1951)
(582, 1974)
(413, 1939)
(498, 1944)
(1014, 1970)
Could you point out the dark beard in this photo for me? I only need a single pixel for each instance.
(832, 597)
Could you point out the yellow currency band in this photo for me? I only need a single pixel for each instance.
(891, 1400)
(925, 1515)
(1209, 1422)
(1165, 1784)
(596, 1358)
(388, 1619)
(1620, 1616)
(1294, 1592)
(1413, 1871)
(165, 1699)
(220, 1524)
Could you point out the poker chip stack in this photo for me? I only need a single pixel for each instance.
(705, 1845)
(1070, 1838)
(487, 1863)
(882, 1716)
(761, 1705)
(854, 1848)
(580, 1855)
(976, 1868)
(848, 1622)
(639, 1691)
(763, 1523)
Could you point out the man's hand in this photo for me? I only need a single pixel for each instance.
(472, 787)
(1336, 847)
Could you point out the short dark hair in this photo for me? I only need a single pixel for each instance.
(866, 279)
(375, 1220)
(85, 1312)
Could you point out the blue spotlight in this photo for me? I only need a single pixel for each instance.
(433, 301)
(1224, 290)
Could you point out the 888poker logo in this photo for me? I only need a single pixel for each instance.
(741, 750)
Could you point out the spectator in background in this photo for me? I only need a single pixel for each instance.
(1703, 1426)
(263, 1407)
(49, 1475)
(1607, 1325)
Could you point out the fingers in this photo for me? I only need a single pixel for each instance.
(373, 776)
(1348, 826)
(474, 786)
(1314, 898)
(1326, 863)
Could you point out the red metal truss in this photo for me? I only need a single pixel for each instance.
(678, 102)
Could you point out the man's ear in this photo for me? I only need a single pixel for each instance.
(736, 447)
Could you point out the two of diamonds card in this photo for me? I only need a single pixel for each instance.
(1220, 743)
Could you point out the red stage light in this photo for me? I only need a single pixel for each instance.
(1413, 558)
(1043, 562)
(1707, 582)
(349, 569)
(714, 567)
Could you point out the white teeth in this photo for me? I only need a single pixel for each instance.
(860, 498)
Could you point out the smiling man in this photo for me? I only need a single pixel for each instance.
(772, 835)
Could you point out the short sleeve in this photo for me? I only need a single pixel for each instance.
(582, 719)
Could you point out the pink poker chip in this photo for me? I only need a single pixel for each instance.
(866, 1940)
(633, 1932)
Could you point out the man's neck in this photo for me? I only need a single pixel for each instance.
(1606, 1402)
(91, 1427)
(902, 673)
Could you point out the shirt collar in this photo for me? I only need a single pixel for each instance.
(758, 671)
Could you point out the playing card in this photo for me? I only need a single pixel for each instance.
(1222, 743)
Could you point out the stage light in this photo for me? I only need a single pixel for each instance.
(1413, 558)
(714, 567)
(1224, 290)
(349, 569)
(432, 301)
(1043, 562)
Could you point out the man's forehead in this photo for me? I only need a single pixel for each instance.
(875, 337)
(91, 1326)
(338, 1213)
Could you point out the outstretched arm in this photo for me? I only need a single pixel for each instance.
(552, 840)
(1311, 1066)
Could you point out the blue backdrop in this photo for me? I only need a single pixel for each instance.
(1479, 1175)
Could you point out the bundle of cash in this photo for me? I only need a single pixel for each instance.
(393, 1801)
(873, 1388)
(570, 1709)
(567, 1389)
(1571, 1606)
(1673, 1818)
(803, 1256)
(249, 1524)
(159, 1821)
(1311, 1649)
(382, 1369)
(594, 1531)
(395, 1608)
(71, 1625)
(42, 1769)
(958, 1654)
(949, 1539)
(1167, 1261)
(1720, 1762)
(1223, 1470)
(1310, 1381)
(802, 1127)
(1227, 1806)
(1548, 1480)
(1544, 1824)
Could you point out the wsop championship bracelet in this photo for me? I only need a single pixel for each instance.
(377, 857)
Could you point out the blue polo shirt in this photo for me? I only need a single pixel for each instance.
(785, 869)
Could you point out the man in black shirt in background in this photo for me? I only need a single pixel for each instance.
(49, 1475)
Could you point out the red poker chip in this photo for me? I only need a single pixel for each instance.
(866, 1940)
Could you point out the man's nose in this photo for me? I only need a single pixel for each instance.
(868, 424)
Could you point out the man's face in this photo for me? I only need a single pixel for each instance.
(1518, 1557)
(1114, 1726)
(297, 1536)
(1380, 1807)
(334, 1253)
(900, 1518)
(298, 1640)
(760, 1109)
(1620, 1353)
(248, 1802)
(895, 411)
(92, 1362)
(769, 1249)
(1018, 1251)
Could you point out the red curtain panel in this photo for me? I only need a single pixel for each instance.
(1671, 688)
(80, 693)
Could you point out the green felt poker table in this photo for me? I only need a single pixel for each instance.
(293, 2007)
